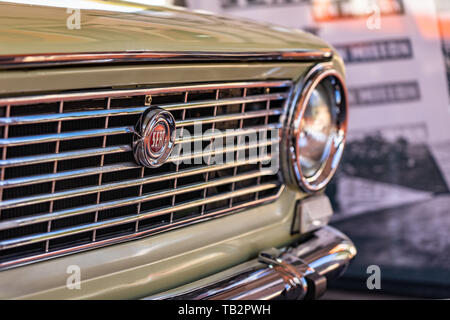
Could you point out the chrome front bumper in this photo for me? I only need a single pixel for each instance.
(298, 272)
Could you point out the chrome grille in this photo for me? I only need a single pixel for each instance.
(69, 181)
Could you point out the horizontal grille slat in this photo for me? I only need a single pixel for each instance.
(112, 222)
(65, 175)
(64, 136)
(69, 181)
(231, 117)
(123, 184)
(124, 130)
(237, 132)
(70, 116)
(224, 150)
(13, 223)
(97, 170)
(137, 110)
(124, 148)
(134, 92)
(63, 156)
(151, 196)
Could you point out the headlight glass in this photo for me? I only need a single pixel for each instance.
(318, 127)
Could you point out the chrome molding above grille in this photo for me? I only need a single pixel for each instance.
(64, 59)
(69, 181)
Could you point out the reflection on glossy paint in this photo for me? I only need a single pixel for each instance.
(43, 29)
(82, 4)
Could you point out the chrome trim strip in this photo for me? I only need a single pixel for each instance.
(137, 235)
(136, 110)
(231, 117)
(108, 94)
(76, 96)
(234, 133)
(235, 148)
(20, 202)
(277, 273)
(224, 102)
(14, 162)
(43, 217)
(12, 243)
(71, 59)
(71, 116)
(20, 141)
(69, 174)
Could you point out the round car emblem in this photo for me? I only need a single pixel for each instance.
(154, 137)
(158, 137)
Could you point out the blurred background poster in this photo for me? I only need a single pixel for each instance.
(391, 195)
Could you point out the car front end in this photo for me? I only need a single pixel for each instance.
(154, 152)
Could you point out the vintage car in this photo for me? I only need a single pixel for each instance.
(153, 152)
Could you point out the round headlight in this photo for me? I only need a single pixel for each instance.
(317, 129)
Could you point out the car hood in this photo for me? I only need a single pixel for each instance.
(116, 26)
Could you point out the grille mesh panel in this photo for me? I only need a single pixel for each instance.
(69, 180)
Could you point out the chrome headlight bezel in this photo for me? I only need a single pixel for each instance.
(292, 168)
